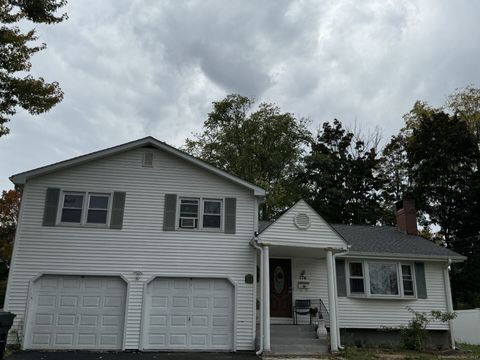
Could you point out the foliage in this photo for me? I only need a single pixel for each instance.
(433, 159)
(16, 89)
(341, 177)
(264, 147)
(414, 335)
(9, 208)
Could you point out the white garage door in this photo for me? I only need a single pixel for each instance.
(77, 312)
(189, 314)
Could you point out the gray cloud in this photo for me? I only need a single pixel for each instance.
(136, 68)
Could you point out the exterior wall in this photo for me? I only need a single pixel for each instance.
(358, 313)
(284, 232)
(141, 245)
(466, 326)
(377, 313)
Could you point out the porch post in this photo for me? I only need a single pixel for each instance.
(332, 299)
(266, 298)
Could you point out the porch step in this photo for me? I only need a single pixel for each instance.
(296, 340)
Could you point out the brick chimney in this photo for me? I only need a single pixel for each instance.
(406, 216)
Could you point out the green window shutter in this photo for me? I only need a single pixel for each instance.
(420, 280)
(341, 277)
(118, 208)
(51, 207)
(230, 215)
(170, 212)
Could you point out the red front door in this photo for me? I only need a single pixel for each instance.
(280, 288)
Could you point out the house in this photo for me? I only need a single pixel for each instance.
(142, 246)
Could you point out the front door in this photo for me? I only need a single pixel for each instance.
(280, 288)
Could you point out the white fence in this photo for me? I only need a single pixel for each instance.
(466, 326)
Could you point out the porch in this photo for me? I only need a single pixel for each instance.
(297, 266)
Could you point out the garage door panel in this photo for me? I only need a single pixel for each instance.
(189, 314)
(65, 318)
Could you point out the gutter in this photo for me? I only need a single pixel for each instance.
(254, 244)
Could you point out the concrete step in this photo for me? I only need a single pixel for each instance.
(296, 340)
(289, 349)
(291, 329)
(299, 341)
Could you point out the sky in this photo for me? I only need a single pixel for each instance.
(131, 69)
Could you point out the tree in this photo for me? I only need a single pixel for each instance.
(441, 153)
(341, 177)
(9, 208)
(16, 89)
(264, 147)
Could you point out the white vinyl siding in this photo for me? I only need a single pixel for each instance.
(141, 245)
(318, 234)
(365, 313)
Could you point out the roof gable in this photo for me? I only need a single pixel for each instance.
(21, 178)
(288, 229)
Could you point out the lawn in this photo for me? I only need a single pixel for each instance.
(466, 352)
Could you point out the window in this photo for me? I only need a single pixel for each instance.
(369, 278)
(85, 208)
(407, 279)
(97, 209)
(188, 214)
(72, 208)
(199, 214)
(356, 278)
(212, 214)
(383, 278)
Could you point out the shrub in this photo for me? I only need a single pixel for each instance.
(414, 335)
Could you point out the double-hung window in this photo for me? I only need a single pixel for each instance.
(407, 279)
(72, 208)
(357, 284)
(85, 208)
(212, 214)
(199, 213)
(97, 209)
(188, 214)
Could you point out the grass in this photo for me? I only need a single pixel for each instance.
(466, 352)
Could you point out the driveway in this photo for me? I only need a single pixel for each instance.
(84, 355)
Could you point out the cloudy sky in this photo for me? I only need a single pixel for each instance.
(136, 68)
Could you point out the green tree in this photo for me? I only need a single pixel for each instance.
(9, 208)
(264, 146)
(18, 90)
(441, 153)
(341, 178)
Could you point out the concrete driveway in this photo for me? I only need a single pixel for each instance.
(84, 355)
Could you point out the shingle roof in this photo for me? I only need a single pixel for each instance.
(389, 240)
(385, 240)
(262, 225)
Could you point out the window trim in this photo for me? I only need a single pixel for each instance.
(366, 279)
(85, 203)
(201, 200)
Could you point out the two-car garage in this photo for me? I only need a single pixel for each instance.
(88, 312)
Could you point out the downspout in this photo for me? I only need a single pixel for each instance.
(448, 294)
(254, 243)
(339, 339)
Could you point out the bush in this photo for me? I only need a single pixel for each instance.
(414, 335)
